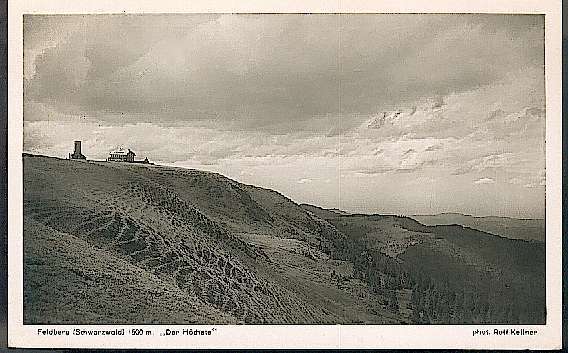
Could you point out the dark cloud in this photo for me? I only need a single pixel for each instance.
(268, 72)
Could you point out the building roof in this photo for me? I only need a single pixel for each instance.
(122, 151)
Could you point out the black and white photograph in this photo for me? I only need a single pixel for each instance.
(227, 169)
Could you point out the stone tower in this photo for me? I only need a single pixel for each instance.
(77, 152)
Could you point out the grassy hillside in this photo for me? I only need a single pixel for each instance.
(131, 243)
(68, 280)
(524, 229)
(236, 253)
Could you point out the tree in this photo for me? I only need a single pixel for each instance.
(393, 302)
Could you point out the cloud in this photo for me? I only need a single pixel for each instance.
(530, 180)
(167, 143)
(537, 180)
(290, 101)
(268, 71)
(400, 155)
(433, 148)
(515, 181)
(484, 181)
(492, 161)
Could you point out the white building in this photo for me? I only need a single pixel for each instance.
(121, 155)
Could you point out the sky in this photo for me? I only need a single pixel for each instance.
(372, 113)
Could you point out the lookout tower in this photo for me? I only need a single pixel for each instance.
(77, 152)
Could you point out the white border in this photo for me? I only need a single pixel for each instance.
(296, 336)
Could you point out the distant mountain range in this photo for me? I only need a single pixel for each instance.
(530, 229)
(122, 243)
(513, 228)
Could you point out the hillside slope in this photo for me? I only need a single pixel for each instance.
(132, 243)
(497, 279)
(237, 253)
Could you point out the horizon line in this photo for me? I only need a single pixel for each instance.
(410, 215)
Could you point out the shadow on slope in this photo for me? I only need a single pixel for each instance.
(456, 274)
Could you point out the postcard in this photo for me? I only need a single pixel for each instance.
(285, 175)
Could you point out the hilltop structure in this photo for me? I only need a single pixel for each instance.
(121, 155)
(77, 152)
